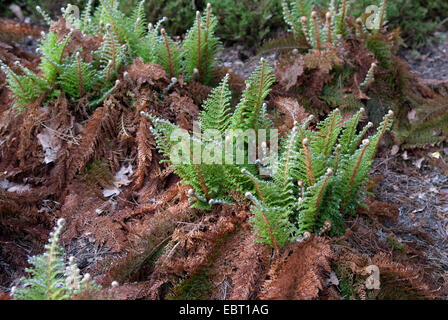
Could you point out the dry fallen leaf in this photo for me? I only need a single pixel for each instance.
(394, 150)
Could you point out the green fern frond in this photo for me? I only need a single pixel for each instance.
(50, 277)
(200, 47)
(77, 77)
(216, 109)
(169, 55)
(26, 88)
(53, 53)
(258, 86)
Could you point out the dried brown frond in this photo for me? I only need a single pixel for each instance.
(400, 282)
(17, 29)
(380, 210)
(300, 272)
(292, 111)
(240, 267)
(289, 70)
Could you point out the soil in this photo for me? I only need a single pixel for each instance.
(430, 62)
(418, 185)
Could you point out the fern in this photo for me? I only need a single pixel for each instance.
(210, 178)
(51, 278)
(216, 110)
(77, 77)
(321, 176)
(26, 87)
(52, 53)
(200, 47)
(169, 55)
(247, 112)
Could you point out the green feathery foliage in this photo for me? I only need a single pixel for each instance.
(320, 176)
(26, 87)
(200, 47)
(77, 77)
(51, 277)
(169, 55)
(249, 110)
(201, 162)
(307, 26)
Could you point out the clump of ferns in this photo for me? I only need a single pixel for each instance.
(51, 277)
(194, 57)
(69, 73)
(310, 29)
(123, 39)
(211, 180)
(320, 176)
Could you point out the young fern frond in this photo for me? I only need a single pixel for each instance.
(138, 18)
(200, 47)
(77, 77)
(311, 204)
(51, 278)
(271, 224)
(53, 53)
(216, 109)
(258, 87)
(44, 15)
(370, 77)
(168, 55)
(86, 18)
(26, 88)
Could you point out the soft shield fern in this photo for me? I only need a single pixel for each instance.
(208, 161)
(321, 176)
(51, 278)
(200, 47)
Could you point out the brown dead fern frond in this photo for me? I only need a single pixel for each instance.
(300, 272)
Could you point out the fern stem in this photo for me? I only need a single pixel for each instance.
(344, 9)
(168, 51)
(323, 187)
(209, 13)
(198, 22)
(288, 154)
(316, 30)
(257, 186)
(359, 27)
(370, 77)
(200, 177)
(308, 161)
(329, 29)
(113, 45)
(80, 79)
(329, 135)
(305, 31)
(362, 134)
(382, 132)
(337, 158)
(260, 87)
(207, 27)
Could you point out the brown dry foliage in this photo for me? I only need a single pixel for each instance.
(12, 28)
(299, 273)
(240, 267)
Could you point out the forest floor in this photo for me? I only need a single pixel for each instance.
(408, 221)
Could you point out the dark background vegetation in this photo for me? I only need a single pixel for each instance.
(250, 22)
